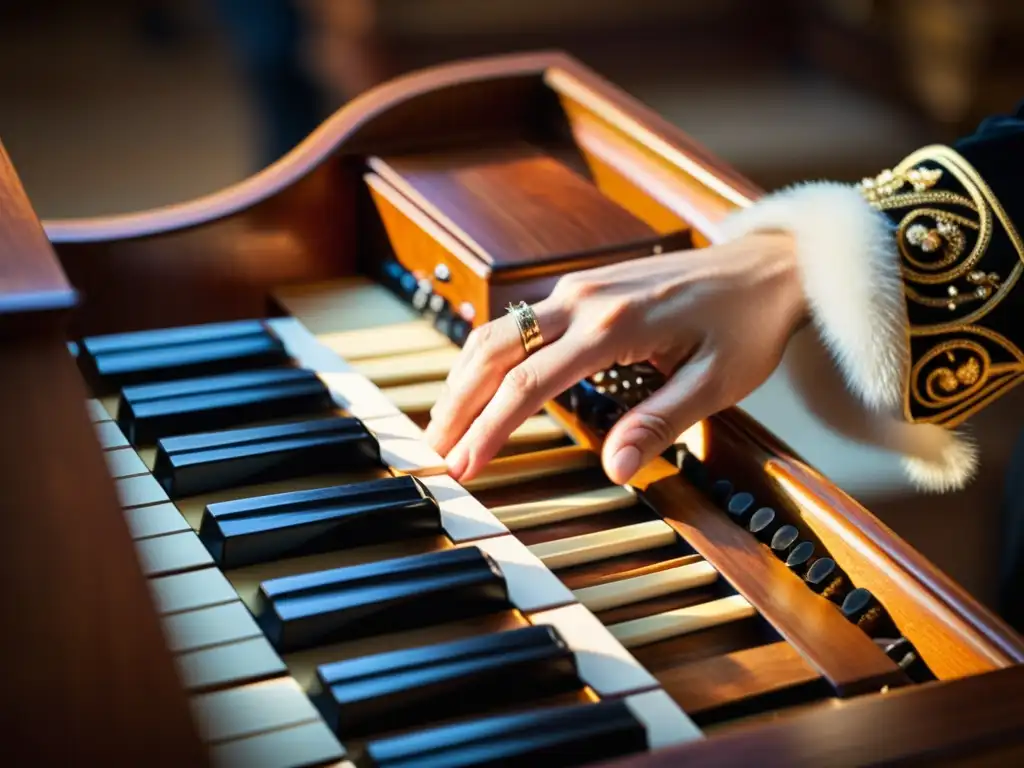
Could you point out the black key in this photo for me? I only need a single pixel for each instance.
(721, 492)
(213, 461)
(559, 737)
(861, 608)
(741, 508)
(799, 558)
(265, 528)
(783, 540)
(389, 691)
(297, 612)
(118, 360)
(148, 412)
(826, 578)
(763, 524)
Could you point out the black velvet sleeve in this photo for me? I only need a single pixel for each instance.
(956, 212)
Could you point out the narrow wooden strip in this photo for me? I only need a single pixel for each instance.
(512, 470)
(531, 514)
(682, 621)
(709, 684)
(601, 545)
(603, 597)
(396, 370)
(156, 520)
(841, 652)
(643, 570)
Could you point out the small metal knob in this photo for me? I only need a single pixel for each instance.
(442, 274)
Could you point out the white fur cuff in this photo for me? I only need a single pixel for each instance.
(850, 268)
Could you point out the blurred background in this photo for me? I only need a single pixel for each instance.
(117, 105)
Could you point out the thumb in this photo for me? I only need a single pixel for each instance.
(693, 393)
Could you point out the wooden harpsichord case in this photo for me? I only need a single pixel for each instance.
(227, 542)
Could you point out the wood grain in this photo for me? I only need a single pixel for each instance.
(514, 205)
(954, 634)
(32, 284)
(978, 720)
(844, 655)
(745, 677)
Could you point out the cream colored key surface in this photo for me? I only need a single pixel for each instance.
(522, 468)
(402, 447)
(531, 585)
(603, 663)
(601, 545)
(110, 404)
(155, 520)
(232, 664)
(603, 597)
(531, 514)
(207, 627)
(173, 553)
(348, 304)
(110, 435)
(664, 720)
(397, 339)
(139, 490)
(537, 429)
(96, 411)
(396, 370)
(462, 516)
(188, 591)
(251, 710)
(416, 398)
(682, 621)
(294, 747)
(124, 462)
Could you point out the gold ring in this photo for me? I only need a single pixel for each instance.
(529, 329)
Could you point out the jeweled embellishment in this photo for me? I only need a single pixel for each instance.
(985, 286)
(930, 240)
(966, 375)
(889, 182)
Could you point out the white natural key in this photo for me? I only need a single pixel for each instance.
(415, 398)
(394, 370)
(602, 597)
(682, 621)
(530, 514)
(601, 545)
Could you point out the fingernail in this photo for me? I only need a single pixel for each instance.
(624, 464)
(457, 461)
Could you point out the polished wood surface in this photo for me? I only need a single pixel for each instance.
(977, 721)
(316, 216)
(86, 671)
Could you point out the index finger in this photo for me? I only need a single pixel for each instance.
(490, 353)
(522, 393)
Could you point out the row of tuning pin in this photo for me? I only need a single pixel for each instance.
(819, 572)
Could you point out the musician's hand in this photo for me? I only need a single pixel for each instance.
(716, 320)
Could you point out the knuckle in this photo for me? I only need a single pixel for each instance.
(573, 287)
(522, 380)
(658, 429)
(480, 338)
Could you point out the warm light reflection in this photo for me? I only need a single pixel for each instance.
(696, 440)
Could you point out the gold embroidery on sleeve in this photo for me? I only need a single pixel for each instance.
(943, 236)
